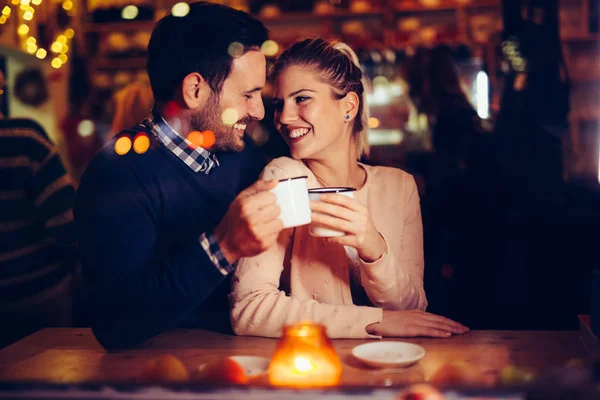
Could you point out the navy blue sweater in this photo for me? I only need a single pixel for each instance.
(139, 218)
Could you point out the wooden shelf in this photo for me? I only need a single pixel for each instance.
(444, 6)
(286, 18)
(590, 115)
(125, 63)
(119, 26)
(591, 38)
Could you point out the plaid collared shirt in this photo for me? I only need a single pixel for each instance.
(199, 160)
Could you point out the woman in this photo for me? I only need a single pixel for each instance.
(369, 282)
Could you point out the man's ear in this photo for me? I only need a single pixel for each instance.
(350, 104)
(195, 91)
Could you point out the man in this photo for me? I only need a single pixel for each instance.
(37, 234)
(161, 226)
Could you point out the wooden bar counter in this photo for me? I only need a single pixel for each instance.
(61, 355)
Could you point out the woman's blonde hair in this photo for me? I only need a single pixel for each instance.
(133, 103)
(339, 66)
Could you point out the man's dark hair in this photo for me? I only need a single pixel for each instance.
(199, 42)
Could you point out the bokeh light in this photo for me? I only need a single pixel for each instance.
(67, 5)
(85, 128)
(56, 63)
(141, 143)
(235, 49)
(122, 145)
(69, 33)
(41, 54)
(208, 139)
(130, 12)
(269, 48)
(196, 139)
(180, 9)
(373, 123)
(230, 116)
(23, 30)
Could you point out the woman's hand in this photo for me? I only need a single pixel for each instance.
(345, 214)
(411, 323)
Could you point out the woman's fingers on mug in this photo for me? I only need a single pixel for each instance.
(333, 222)
(340, 200)
(332, 209)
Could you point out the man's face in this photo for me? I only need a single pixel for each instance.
(238, 103)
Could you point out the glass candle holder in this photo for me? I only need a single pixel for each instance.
(304, 357)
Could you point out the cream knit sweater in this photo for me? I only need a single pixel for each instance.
(303, 278)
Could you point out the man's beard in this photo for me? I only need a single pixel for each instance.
(209, 118)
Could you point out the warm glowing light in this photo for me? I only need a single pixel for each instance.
(380, 81)
(23, 30)
(6, 11)
(36, 2)
(64, 48)
(180, 9)
(27, 15)
(230, 116)
(304, 357)
(30, 40)
(56, 47)
(56, 63)
(85, 128)
(303, 365)
(130, 12)
(208, 139)
(482, 96)
(141, 143)
(69, 33)
(235, 49)
(196, 139)
(31, 48)
(2, 19)
(122, 145)
(25, 2)
(269, 48)
(62, 39)
(63, 58)
(67, 5)
(373, 123)
(41, 54)
(15, 2)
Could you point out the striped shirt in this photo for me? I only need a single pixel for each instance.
(37, 237)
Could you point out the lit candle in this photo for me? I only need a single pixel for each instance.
(304, 357)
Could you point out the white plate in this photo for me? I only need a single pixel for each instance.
(388, 354)
(252, 365)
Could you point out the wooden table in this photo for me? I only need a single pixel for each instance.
(61, 355)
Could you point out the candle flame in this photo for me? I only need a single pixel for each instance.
(303, 365)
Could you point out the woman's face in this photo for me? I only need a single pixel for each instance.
(310, 120)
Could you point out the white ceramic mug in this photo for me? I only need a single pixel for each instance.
(292, 199)
(315, 194)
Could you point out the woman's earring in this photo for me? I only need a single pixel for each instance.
(347, 117)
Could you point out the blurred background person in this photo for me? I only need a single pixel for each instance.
(37, 235)
(133, 103)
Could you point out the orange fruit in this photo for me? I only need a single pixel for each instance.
(420, 391)
(225, 371)
(165, 368)
(456, 373)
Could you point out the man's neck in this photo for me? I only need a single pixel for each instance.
(179, 122)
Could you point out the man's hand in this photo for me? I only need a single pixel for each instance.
(411, 323)
(250, 225)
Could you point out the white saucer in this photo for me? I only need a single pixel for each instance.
(252, 365)
(388, 354)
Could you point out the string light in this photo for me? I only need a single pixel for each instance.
(26, 13)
